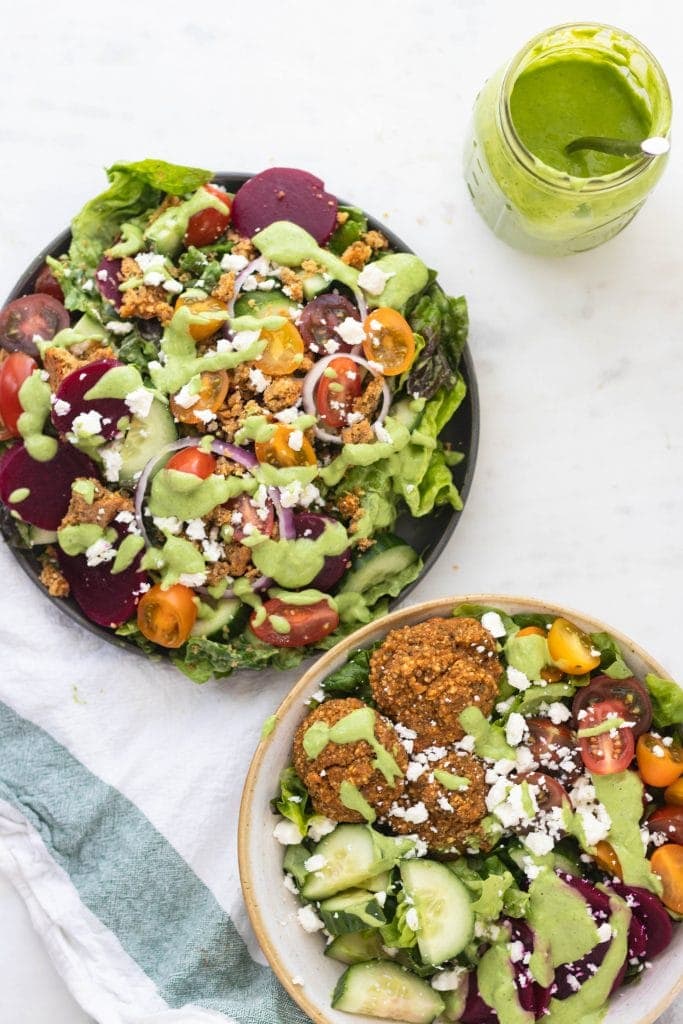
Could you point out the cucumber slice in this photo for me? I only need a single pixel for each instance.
(314, 285)
(294, 862)
(222, 616)
(444, 912)
(356, 947)
(377, 566)
(39, 536)
(351, 911)
(382, 989)
(455, 999)
(144, 439)
(263, 304)
(352, 853)
(378, 883)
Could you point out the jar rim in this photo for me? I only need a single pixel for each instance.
(548, 174)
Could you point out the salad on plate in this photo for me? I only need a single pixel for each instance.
(214, 407)
(483, 818)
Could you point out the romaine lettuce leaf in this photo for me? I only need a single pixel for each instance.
(667, 701)
(352, 678)
(350, 231)
(203, 659)
(294, 801)
(443, 322)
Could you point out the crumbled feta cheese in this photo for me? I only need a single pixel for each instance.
(412, 920)
(351, 331)
(87, 423)
(605, 932)
(296, 440)
(186, 397)
(290, 884)
(102, 275)
(372, 279)
(558, 713)
(112, 461)
(288, 415)
(233, 262)
(192, 579)
(492, 622)
(315, 863)
(212, 550)
(466, 744)
(309, 920)
(320, 826)
(61, 407)
(140, 402)
(538, 842)
(258, 379)
(204, 415)
(168, 524)
(444, 804)
(195, 529)
(243, 339)
(516, 951)
(515, 728)
(416, 814)
(414, 770)
(517, 679)
(287, 833)
(118, 327)
(250, 283)
(100, 551)
(296, 493)
(448, 981)
(172, 286)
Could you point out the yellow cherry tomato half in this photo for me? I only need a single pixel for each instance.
(571, 649)
(202, 331)
(673, 794)
(284, 351)
(166, 617)
(210, 397)
(279, 450)
(607, 859)
(667, 862)
(389, 341)
(659, 765)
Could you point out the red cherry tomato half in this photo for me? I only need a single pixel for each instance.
(249, 517)
(193, 460)
(30, 317)
(607, 752)
(319, 321)
(631, 693)
(207, 226)
(668, 821)
(554, 748)
(335, 394)
(548, 792)
(47, 284)
(13, 372)
(287, 625)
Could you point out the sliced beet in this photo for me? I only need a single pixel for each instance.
(651, 914)
(596, 900)
(476, 1010)
(28, 318)
(310, 525)
(285, 193)
(71, 401)
(108, 278)
(109, 600)
(532, 996)
(579, 971)
(48, 483)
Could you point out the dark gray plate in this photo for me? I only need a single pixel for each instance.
(428, 535)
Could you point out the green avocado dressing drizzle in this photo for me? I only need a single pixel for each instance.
(176, 558)
(19, 495)
(118, 382)
(352, 728)
(84, 488)
(75, 540)
(268, 726)
(457, 783)
(280, 624)
(294, 563)
(166, 233)
(352, 798)
(186, 496)
(34, 397)
(128, 549)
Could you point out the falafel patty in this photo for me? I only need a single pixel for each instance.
(424, 676)
(443, 802)
(348, 762)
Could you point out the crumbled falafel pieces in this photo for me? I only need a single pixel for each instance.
(147, 303)
(357, 254)
(60, 362)
(376, 240)
(235, 562)
(358, 433)
(234, 411)
(291, 284)
(54, 580)
(367, 402)
(225, 288)
(282, 393)
(424, 676)
(104, 507)
(241, 245)
(446, 818)
(351, 762)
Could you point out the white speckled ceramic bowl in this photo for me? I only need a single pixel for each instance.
(292, 952)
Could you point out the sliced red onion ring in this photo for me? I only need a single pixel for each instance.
(314, 375)
(361, 303)
(285, 516)
(239, 282)
(230, 451)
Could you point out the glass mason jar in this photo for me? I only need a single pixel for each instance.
(536, 207)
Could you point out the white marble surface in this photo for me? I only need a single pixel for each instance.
(578, 488)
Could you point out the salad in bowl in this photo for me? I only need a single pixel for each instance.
(479, 818)
(214, 407)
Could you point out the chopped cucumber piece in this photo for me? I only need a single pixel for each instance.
(351, 854)
(351, 911)
(37, 535)
(378, 883)
(314, 285)
(145, 439)
(294, 862)
(222, 616)
(374, 570)
(263, 304)
(382, 989)
(356, 947)
(444, 912)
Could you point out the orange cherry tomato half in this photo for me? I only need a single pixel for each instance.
(673, 794)
(193, 460)
(335, 394)
(166, 617)
(389, 341)
(204, 330)
(658, 764)
(287, 625)
(206, 226)
(531, 631)
(609, 752)
(607, 859)
(15, 369)
(667, 862)
(284, 350)
(278, 451)
(571, 649)
(211, 395)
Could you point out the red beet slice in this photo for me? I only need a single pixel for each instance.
(651, 914)
(103, 598)
(310, 525)
(29, 317)
(108, 278)
(284, 193)
(476, 1010)
(48, 483)
(71, 402)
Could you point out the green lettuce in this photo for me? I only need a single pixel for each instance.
(443, 322)
(294, 802)
(350, 231)
(667, 701)
(611, 659)
(133, 189)
(352, 678)
(202, 659)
